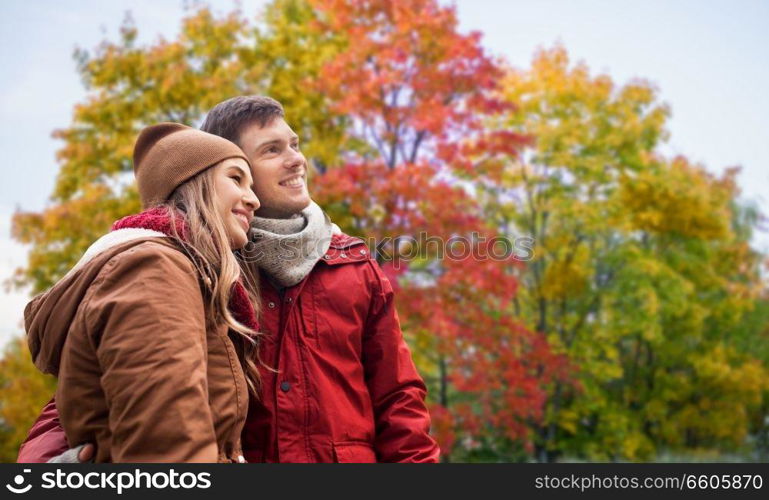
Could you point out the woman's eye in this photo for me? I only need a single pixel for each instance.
(236, 178)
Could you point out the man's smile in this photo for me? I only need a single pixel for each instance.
(295, 181)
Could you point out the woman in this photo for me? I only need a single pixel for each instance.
(152, 334)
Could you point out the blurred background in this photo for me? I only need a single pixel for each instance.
(625, 139)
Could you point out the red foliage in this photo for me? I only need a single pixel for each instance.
(418, 92)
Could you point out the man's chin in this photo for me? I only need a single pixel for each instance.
(306, 203)
(284, 211)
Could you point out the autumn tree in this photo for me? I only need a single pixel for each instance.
(638, 273)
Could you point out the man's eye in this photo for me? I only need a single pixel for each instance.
(272, 149)
(295, 146)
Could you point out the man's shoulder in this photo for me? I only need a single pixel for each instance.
(342, 240)
(348, 268)
(346, 249)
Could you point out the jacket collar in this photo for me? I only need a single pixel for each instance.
(345, 249)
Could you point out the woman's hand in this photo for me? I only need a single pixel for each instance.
(77, 455)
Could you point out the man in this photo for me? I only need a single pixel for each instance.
(344, 387)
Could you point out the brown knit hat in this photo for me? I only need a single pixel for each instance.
(168, 154)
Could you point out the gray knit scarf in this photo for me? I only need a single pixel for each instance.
(288, 249)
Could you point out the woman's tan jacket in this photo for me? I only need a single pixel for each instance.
(139, 373)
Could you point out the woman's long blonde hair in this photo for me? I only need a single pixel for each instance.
(208, 246)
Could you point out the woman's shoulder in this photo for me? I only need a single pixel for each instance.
(152, 252)
(154, 277)
(159, 261)
(146, 285)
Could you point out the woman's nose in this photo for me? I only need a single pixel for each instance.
(251, 200)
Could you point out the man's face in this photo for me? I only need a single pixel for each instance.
(278, 167)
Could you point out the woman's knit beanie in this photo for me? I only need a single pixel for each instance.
(168, 154)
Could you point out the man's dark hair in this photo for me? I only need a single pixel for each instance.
(228, 118)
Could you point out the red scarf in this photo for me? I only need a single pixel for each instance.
(157, 219)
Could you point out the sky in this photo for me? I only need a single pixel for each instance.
(709, 60)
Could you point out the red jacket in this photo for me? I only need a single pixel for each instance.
(346, 388)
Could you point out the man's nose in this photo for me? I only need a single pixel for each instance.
(295, 160)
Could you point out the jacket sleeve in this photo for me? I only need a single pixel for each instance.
(46, 438)
(397, 391)
(146, 316)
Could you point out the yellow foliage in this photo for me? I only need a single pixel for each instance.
(564, 278)
(681, 199)
(24, 390)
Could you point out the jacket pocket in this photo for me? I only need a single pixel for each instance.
(354, 452)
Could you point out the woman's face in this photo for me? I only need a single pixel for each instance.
(235, 199)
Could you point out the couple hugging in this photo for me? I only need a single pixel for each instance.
(229, 321)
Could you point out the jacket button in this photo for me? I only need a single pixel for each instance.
(363, 252)
(271, 305)
(327, 257)
(289, 300)
(285, 386)
(241, 459)
(344, 256)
